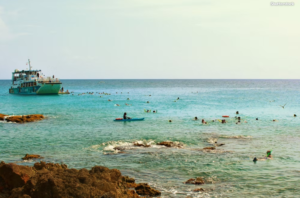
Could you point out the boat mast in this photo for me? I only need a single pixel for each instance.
(29, 65)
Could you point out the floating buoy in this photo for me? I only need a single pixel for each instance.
(225, 116)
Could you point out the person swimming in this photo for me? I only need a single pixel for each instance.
(269, 156)
(256, 118)
(203, 121)
(295, 115)
(170, 120)
(237, 112)
(196, 118)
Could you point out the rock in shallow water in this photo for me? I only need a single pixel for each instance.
(31, 156)
(145, 189)
(197, 181)
(22, 119)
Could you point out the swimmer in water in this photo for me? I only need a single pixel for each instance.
(256, 118)
(269, 156)
(203, 121)
(178, 98)
(148, 102)
(196, 118)
(295, 115)
(154, 111)
(117, 105)
(237, 113)
(170, 120)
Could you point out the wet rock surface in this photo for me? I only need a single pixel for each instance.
(145, 189)
(197, 181)
(22, 118)
(31, 156)
(2, 116)
(198, 190)
(171, 144)
(209, 148)
(56, 180)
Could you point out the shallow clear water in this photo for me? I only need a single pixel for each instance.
(80, 132)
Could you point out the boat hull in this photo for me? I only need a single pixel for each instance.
(43, 89)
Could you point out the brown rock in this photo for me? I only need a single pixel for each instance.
(31, 156)
(197, 181)
(166, 143)
(2, 116)
(49, 180)
(131, 185)
(133, 194)
(25, 118)
(145, 189)
(209, 148)
(128, 179)
(190, 181)
(199, 190)
(141, 145)
(15, 176)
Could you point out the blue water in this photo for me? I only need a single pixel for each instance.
(80, 132)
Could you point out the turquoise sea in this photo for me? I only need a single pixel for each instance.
(80, 132)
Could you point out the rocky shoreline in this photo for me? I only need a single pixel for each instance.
(50, 180)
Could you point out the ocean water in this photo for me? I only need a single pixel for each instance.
(80, 132)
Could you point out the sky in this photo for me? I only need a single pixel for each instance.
(151, 39)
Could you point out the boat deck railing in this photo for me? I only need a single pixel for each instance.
(48, 79)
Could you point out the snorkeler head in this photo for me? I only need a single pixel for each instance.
(269, 153)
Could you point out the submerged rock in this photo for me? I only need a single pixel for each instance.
(145, 189)
(141, 144)
(31, 156)
(197, 181)
(50, 180)
(171, 144)
(209, 148)
(165, 143)
(198, 190)
(24, 118)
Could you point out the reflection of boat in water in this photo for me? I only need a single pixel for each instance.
(33, 82)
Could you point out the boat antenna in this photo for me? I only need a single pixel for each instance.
(29, 64)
